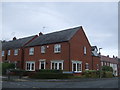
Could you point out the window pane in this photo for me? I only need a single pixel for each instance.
(52, 65)
(84, 50)
(60, 66)
(32, 66)
(31, 51)
(78, 67)
(43, 49)
(3, 52)
(55, 65)
(74, 67)
(42, 65)
(8, 52)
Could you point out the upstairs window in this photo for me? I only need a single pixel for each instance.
(31, 51)
(43, 49)
(57, 48)
(85, 50)
(3, 53)
(8, 52)
(16, 52)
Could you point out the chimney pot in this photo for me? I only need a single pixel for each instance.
(107, 55)
(113, 56)
(14, 38)
(40, 33)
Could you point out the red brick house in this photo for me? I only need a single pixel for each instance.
(95, 58)
(13, 51)
(67, 50)
(112, 62)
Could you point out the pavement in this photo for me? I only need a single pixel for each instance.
(61, 83)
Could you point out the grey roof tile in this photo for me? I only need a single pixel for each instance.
(55, 37)
(14, 44)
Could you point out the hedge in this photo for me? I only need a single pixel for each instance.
(91, 74)
(47, 71)
(39, 75)
(106, 74)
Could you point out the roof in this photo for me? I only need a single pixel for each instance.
(108, 59)
(14, 44)
(55, 37)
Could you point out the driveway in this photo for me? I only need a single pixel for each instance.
(68, 83)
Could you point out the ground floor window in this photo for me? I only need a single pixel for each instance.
(58, 65)
(42, 64)
(77, 66)
(30, 66)
(86, 66)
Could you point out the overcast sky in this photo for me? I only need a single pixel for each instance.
(99, 20)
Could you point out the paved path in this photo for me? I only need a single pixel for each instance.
(91, 83)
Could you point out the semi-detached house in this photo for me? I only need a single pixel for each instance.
(13, 51)
(67, 50)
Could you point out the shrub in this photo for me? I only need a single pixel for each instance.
(39, 75)
(106, 74)
(6, 66)
(45, 71)
(91, 74)
(107, 68)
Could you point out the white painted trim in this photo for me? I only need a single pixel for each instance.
(75, 62)
(31, 62)
(40, 63)
(57, 61)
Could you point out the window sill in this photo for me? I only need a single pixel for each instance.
(30, 70)
(57, 52)
(31, 54)
(77, 71)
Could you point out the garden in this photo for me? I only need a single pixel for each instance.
(8, 69)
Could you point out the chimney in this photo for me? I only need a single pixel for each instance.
(40, 33)
(113, 56)
(107, 55)
(14, 38)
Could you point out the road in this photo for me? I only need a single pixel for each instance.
(102, 83)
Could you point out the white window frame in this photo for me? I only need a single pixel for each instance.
(3, 53)
(30, 62)
(56, 48)
(105, 63)
(16, 52)
(101, 63)
(57, 61)
(86, 66)
(85, 50)
(43, 49)
(76, 62)
(42, 60)
(31, 51)
(8, 52)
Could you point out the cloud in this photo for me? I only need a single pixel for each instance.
(99, 20)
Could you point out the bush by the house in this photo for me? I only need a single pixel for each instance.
(106, 74)
(91, 74)
(107, 68)
(47, 71)
(6, 66)
(38, 75)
